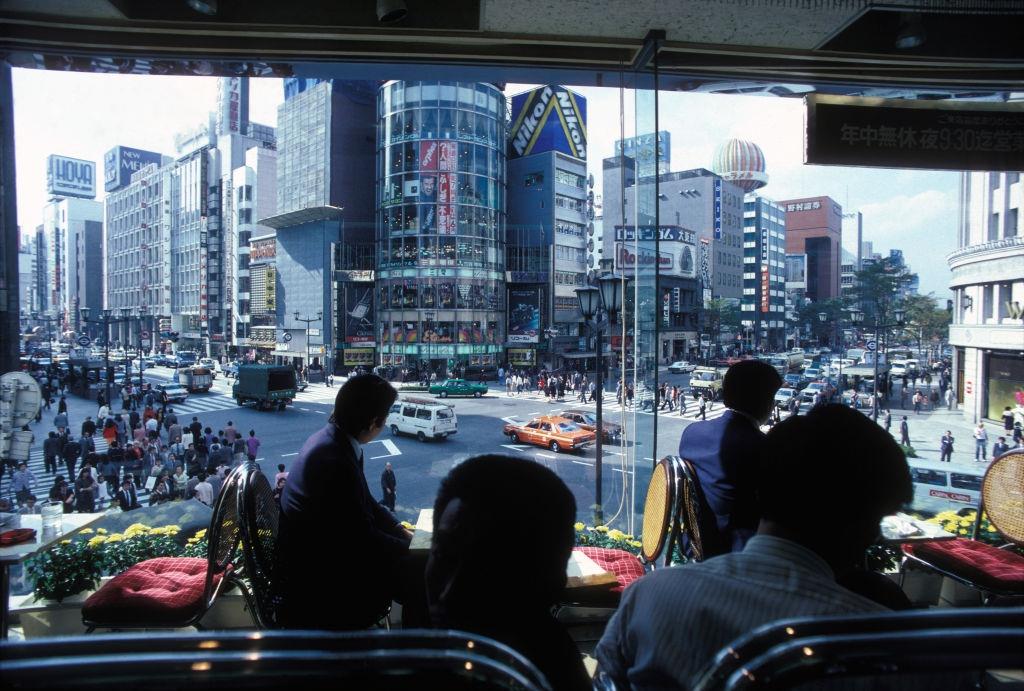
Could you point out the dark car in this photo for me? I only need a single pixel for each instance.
(588, 421)
(795, 381)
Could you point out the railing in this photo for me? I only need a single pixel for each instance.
(1005, 243)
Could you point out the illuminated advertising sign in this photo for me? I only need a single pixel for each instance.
(648, 233)
(70, 177)
(627, 261)
(765, 292)
(120, 162)
(358, 356)
(718, 208)
(548, 118)
(359, 314)
(524, 315)
(262, 249)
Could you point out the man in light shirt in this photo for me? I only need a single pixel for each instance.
(204, 490)
(672, 621)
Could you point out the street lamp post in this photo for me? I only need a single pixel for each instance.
(858, 317)
(49, 337)
(106, 317)
(307, 321)
(591, 300)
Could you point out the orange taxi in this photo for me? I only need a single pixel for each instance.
(552, 432)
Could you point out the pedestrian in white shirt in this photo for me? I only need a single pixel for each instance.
(980, 442)
(204, 490)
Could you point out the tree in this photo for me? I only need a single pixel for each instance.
(878, 286)
(924, 319)
(822, 332)
(720, 313)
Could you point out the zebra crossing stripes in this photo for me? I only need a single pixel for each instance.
(37, 464)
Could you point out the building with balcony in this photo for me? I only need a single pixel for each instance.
(987, 333)
(441, 224)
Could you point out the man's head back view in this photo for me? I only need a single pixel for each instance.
(826, 480)
(467, 565)
(749, 387)
(361, 406)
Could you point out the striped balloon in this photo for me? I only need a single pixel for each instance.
(741, 163)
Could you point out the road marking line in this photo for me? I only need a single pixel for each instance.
(536, 412)
(319, 412)
(261, 458)
(515, 447)
(511, 419)
(583, 463)
(305, 409)
(389, 445)
(620, 470)
(286, 455)
(546, 455)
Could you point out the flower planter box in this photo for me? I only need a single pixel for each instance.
(47, 618)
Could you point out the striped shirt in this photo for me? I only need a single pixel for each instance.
(672, 621)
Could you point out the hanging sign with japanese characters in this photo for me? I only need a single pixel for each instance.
(857, 131)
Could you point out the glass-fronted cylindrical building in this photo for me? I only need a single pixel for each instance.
(440, 224)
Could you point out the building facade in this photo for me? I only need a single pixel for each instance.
(814, 227)
(987, 333)
(72, 227)
(763, 309)
(441, 224)
(325, 202)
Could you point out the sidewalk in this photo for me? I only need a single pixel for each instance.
(927, 428)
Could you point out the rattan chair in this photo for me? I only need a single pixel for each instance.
(174, 592)
(697, 521)
(260, 515)
(389, 661)
(751, 646)
(996, 572)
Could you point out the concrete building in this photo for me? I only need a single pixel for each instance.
(548, 232)
(441, 225)
(848, 267)
(73, 232)
(261, 335)
(814, 227)
(763, 309)
(26, 276)
(988, 295)
(325, 201)
(851, 259)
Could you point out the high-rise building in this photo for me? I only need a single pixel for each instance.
(848, 268)
(73, 230)
(763, 309)
(26, 272)
(548, 228)
(441, 225)
(814, 227)
(988, 295)
(325, 204)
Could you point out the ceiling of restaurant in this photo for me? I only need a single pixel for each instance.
(951, 44)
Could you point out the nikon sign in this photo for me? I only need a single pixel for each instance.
(70, 177)
(548, 118)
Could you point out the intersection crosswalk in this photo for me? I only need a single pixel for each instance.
(213, 401)
(610, 405)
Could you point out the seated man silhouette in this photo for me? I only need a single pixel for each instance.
(477, 583)
(725, 452)
(820, 510)
(326, 507)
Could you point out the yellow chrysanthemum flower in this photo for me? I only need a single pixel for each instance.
(65, 542)
(101, 531)
(580, 526)
(601, 529)
(616, 534)
(85, 531)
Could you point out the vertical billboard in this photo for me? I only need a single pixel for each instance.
(524, 315)
(70, 177)
(120, 162)
(548, 118)
(359, 314)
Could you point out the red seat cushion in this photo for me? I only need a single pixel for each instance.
(161, 591)
(626, 567)
(990, 568)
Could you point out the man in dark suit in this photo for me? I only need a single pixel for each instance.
(326, 495)
(725, 453)
(904, 432)
(388, 483)
(127, 499)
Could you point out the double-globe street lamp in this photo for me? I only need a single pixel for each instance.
(591, 302)
(837, 343)
(857, 316)
(307, 321)
(106, 318)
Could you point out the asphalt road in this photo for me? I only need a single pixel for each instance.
(420, 466)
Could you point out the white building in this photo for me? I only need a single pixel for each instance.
(988, 286)
(73, 232)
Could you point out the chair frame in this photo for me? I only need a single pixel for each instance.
(225, 567)
(258, 564)
(987, 592)
(669, 524)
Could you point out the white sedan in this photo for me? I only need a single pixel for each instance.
(784, 396)
(681, 367)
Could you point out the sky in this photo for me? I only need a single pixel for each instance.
(83, 115)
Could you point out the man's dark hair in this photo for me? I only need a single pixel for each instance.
(202, 476)
(362, 401)
(749, 387)
(490, 489)
(832, 466)
(280, 467)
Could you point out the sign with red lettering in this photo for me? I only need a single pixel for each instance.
(444, 188)
(428, 155)
(969, 386)
(445, 219)
(952, 496)
(446, 156)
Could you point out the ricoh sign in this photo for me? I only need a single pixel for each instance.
(70, 177)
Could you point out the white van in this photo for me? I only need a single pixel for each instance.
(945, 486)
(424, 418)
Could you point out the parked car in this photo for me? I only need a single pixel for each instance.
(422, 418)
(784, 397)
(552, 432)
(171, 393)
(458, 387)
(588, 421)
(794, 381)
(681, 367)
(814, 387)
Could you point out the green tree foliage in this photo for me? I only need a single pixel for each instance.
(925, 320)
(877, 286)
(823, 332)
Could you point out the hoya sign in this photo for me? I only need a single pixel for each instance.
(70, 177)
(120, 162)
(548, 118)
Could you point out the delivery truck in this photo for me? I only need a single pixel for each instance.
(266, 386)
